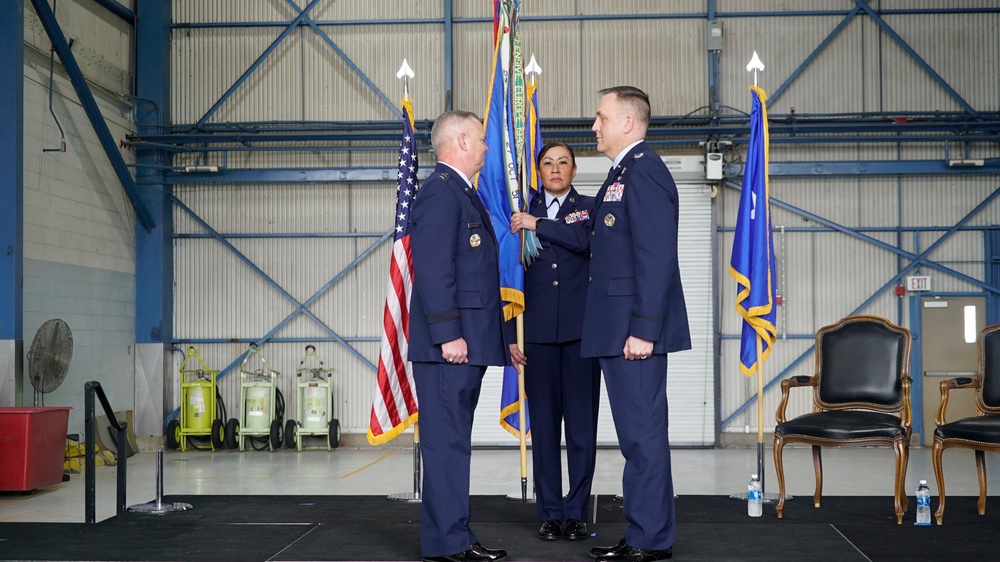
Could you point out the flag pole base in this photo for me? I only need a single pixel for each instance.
(517, 497)
(408, 497)
(767, 497)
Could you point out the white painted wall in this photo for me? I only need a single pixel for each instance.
(79, 242)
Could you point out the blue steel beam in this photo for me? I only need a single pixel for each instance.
(335, 338)
(449, 59)
(812, 56)
(871, 168)
(246, 74)
(782, 169)
(263, 235)
(591, 17)
(863, 4)
(300, 308)
(289, 175)
(347, 60)
(185, 341)
(55, 34)
(12, 174)
(891, 283)
(118, 10)
(269, 336)
(697, 130)
(888, 247)
(154, 282)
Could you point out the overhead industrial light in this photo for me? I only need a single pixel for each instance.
(190, 169)
(966, 162)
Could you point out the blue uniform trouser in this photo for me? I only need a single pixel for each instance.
(562, 386)
(448, 395)
(637, 391)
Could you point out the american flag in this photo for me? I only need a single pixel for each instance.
(395, 405)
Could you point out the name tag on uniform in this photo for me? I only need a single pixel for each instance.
(577, 216)
(614, 192)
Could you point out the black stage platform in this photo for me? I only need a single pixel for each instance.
(264, 528)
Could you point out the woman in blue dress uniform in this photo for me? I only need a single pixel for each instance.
(561, 385)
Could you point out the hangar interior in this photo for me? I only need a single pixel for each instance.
(219, 174)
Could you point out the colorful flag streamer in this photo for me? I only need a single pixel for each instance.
(498, 182)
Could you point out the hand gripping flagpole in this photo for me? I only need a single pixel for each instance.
(405, 73)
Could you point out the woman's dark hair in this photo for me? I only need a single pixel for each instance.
(550, 145)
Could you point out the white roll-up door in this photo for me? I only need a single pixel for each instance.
(690, 386)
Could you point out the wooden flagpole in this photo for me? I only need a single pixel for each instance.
(521, 412)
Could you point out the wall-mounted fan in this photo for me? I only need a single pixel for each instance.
(49, 357)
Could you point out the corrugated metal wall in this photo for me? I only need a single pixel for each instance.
(823, 275)
(218, 295)
(826, 275)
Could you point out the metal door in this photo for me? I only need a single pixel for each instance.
(948, 349)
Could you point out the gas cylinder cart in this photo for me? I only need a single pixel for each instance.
(200, 402)
(262, 407)
(314, 405)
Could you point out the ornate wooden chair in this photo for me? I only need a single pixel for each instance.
(861, 397)
(981, 432)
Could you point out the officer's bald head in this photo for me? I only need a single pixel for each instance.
(449, 126)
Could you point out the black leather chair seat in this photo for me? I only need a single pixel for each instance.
(978, 428)
(843, 424)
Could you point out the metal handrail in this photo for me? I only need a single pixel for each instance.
(90, 389)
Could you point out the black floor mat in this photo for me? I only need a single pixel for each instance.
(264, 528)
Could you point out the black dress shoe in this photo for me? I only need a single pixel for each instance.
(551, 530)
(574, 530)
(633, 554)
(605, 550)
(494, 555)
(467, 556)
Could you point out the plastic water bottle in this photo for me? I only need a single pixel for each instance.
(923, 504)
(755, 497)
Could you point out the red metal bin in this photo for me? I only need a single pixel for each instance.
(32, 447)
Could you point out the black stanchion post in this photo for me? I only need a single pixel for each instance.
(90, 479)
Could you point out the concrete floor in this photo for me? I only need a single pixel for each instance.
(384, 471)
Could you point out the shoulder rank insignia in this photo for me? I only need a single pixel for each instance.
(638, 156)
(577, 216)
(444, 176)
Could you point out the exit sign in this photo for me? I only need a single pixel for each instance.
(918, 283)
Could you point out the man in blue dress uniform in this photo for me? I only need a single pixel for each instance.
(635, 315)
(456, 330)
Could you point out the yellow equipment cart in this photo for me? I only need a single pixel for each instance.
(262, 406)
(198, 398)
(314, 405)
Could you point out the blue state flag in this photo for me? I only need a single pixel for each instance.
(499, 190)
(752, 263)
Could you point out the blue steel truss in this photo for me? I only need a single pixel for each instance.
(300, 307)
(914, 261)
(52, 29)
(968, 125)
